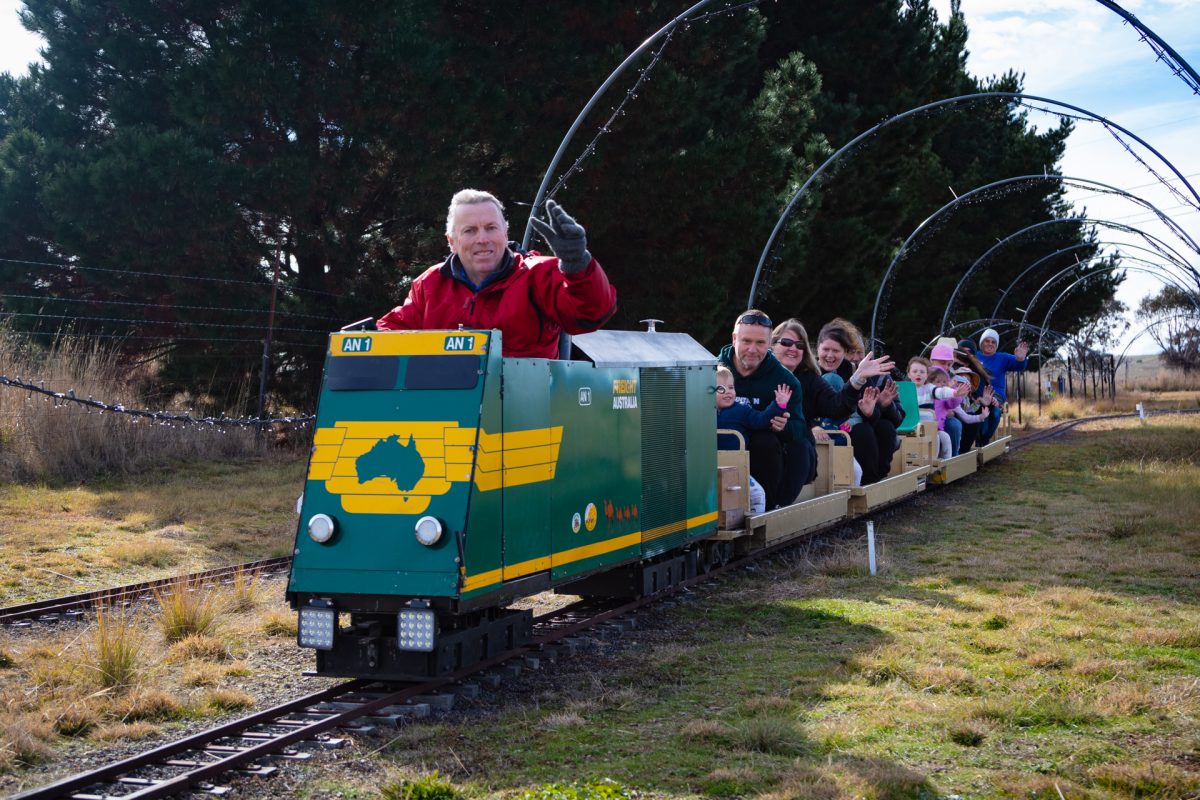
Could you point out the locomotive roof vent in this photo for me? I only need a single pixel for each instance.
(643, 349)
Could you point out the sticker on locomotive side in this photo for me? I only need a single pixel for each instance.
(398, 467)
(576, 522)
(356, 344)
(589, 517)
(459, 343)
(624, 393)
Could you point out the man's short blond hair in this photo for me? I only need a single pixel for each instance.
(470, 197)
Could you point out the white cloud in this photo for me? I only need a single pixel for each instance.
(18, 47)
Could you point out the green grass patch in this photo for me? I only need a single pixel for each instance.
(1012, 648)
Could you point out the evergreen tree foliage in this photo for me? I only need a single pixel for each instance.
(164, 143)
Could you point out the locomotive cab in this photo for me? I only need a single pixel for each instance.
(445, 481)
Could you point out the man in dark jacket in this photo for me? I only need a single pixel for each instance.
(485, 284)
(756, 374)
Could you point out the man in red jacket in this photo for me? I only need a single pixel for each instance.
(484, 284)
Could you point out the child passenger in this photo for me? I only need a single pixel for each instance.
(945, 408)
(742, 418)
(918, 372)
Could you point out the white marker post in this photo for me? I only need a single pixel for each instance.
(1141, 412)
(871, 545)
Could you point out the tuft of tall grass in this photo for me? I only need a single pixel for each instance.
(223, 701)
(769, 734)
(24, 740)
(117, 644)
(199, 647)
(242, 594)
(278, 622)
(1062, 408)
(186, 609)
(426, 787)
(152, 705)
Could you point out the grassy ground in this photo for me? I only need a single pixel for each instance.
(1034, 633)
(59, 540)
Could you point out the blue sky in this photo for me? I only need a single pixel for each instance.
(1073, 51)
(1081, 53)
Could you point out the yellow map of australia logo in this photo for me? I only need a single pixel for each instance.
(396, 467)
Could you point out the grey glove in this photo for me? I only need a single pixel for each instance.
(566, 237)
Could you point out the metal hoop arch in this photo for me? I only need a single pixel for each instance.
(562, 148)
(1019, 96)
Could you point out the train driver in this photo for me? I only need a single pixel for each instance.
(485, 283)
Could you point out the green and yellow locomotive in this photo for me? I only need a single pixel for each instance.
(446, 480)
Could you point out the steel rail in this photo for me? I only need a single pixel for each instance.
(84, 601)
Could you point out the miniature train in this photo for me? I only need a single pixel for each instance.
(446, 481)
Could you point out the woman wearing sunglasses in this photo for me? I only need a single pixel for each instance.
(858, 399)
(789, 342)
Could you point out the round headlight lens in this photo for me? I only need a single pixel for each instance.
(429, 530)
(321, 528)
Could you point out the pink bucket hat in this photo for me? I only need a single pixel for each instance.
(942, 352)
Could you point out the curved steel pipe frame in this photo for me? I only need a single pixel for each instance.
(1019, 96)
(1079, 182)
(1008, 290)
(1084, 279)
(562, 148)
(1163, 49)
(1154, 241)
(1147, 329)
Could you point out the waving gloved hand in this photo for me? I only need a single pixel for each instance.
(566, 237)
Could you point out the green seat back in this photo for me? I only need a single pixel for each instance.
(908, 399)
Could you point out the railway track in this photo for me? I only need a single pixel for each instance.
(247, 746)
(73, 606)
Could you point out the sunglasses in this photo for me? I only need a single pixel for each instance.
(755, 319)
(789, 342)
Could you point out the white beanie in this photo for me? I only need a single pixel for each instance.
(990, 333)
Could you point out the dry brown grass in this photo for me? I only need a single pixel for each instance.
(200, 646)
(65, 441)
(186, 609)
(278, 622)
(704, 729)
(118, 646)
(24, 740)
(223, 701)
(55, 688)
(1155, 780)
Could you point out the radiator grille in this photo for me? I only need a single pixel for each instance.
(664, 456)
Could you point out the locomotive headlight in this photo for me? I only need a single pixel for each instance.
(321, 528)
(429, 530)
(417, 628)
(317, 624)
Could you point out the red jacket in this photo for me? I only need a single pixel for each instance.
(530, 305)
